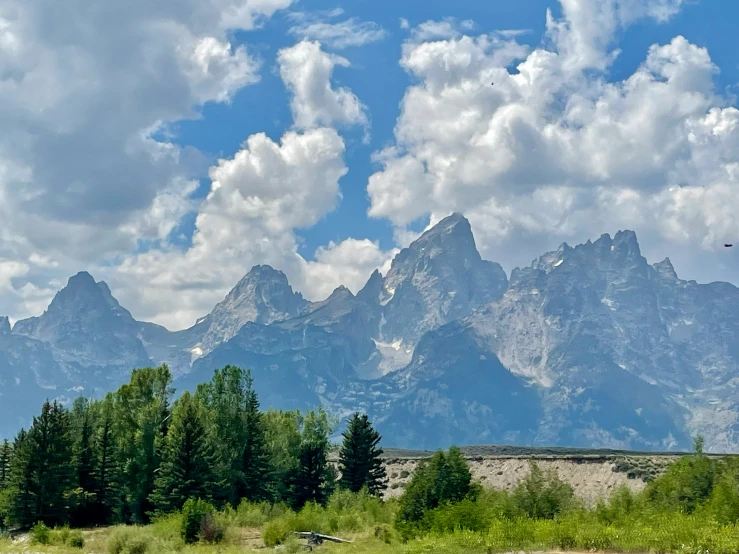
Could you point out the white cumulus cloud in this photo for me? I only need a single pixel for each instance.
(88, 89)
(555, 150)
(306, 70)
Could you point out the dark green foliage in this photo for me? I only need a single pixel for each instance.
(253, 474)
(687, 483)
(444, 479)
(194, 511)
(310, 480)
(141, 409)
(359, 459)
(237, 430)
(107, 471)
(6, 451)
(187, 469)
(543, 495)
(123, 458)
(290, 438)
(18, 493)
(84, 496)
(40, 533)
(42, 472)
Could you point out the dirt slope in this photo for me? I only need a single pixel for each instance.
(591, 477)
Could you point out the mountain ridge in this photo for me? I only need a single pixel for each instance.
(589, 345)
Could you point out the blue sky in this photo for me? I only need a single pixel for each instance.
(101, 147)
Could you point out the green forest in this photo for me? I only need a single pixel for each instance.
(211, 471)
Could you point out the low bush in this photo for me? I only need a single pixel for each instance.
(40, 534)
(193, 513)
(212, 530)
(75, 540)
(129, 540)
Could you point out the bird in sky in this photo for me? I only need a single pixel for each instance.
(728, 245)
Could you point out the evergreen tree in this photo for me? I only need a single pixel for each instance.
(20, 484)
(283, 442)
(310, 480)
(85, 495)
(359, 458)
(254, 471)
(106, 468)
(139, 424)
(187, 467)
(236, 428)
(43, 476)
(5, 455)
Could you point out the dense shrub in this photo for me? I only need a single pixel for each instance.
(193, 513)
(40, 533)
(278, 530)
(543, 495)
(128, 540)
(444, 479)
(212, 531)
(76, 540)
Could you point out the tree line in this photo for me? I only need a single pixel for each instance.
(137, 454)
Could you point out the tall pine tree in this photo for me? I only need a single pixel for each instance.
(20, 482)
(359, 459)
(85, 494)
(254, 472)
(310, 480)
(236, 428)
(106, 465)
(140, 421)
(187, 465)
(6, 452)
(42, 475)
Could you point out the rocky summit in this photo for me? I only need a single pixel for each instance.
(589, 346)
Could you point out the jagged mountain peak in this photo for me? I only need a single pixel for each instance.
(259, 275)
(621, 250)
(451, 237)
(263, 295)
(665, 269)
(81, 279)
(340, 292)
(4, 326)
(83, 291)
(83, 301)
(372, 290)
(87, 327)
(454, 223)
(439, 277)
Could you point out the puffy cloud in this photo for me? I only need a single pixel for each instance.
(348, 263)
(556, 151)
(306, 70)
(257, 199)
(86, 171)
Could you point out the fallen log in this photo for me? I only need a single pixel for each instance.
(318, 538)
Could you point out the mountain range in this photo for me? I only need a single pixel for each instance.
(588, 346)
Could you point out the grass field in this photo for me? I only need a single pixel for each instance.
(675, 535)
